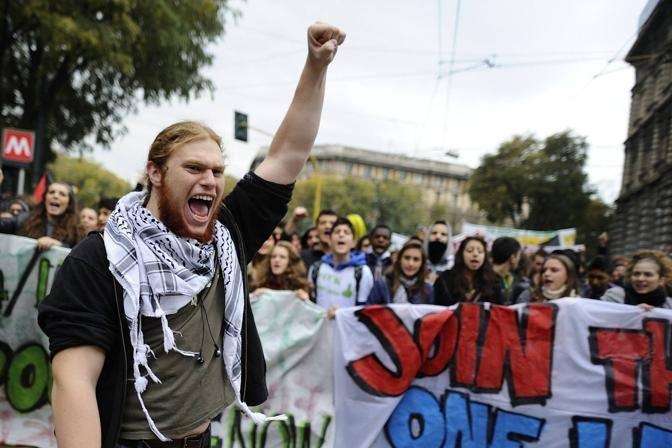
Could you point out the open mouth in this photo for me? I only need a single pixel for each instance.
(200, 205)
(53, 207)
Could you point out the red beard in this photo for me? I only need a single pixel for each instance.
(171, 215)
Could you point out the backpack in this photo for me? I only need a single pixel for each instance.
(315, 271)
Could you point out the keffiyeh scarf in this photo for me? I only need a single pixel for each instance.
(160, 273)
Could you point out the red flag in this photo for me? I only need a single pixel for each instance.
(41, 188)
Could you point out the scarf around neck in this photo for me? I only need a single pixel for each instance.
(655, 298)
(160, 273)
(554, 294)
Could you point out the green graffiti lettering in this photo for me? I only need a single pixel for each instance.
(287, 434)
(215, 442)
(304, 433)
(42, 280)
(234, 430)
(4, 294)
(5, 358)
(285, 430)
(28, 378)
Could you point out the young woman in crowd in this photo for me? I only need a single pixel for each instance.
(363, 243)
(558, 279)
(471, 278)
(55, 220)
(259, 259)
(283, 270)
(88, 220)
(407, 282)
(644, 282)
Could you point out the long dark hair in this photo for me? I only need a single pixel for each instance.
(420, 277)
(292, 279)
(66, 226)
(483, 280)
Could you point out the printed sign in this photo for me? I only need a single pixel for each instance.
(18, 146)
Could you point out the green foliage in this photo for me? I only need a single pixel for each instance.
(597, 219)
(75, 68)
(548, 176)
(90, 180)
(399, 206)
(439, 211)
(500, 183)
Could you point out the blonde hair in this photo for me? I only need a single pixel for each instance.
(657, 257)
(175, 136)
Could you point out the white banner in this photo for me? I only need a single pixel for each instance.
(25, 373)
(563, 237)
(575, 373)
(296, 337)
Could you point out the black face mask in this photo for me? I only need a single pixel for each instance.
(435, 251)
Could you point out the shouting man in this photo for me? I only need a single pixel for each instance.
(150, 329)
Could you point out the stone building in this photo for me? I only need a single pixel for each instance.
(440, 182)
(643, 218)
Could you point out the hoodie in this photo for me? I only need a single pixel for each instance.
(336, 285)
(446, 260)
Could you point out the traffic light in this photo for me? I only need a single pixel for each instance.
(240, 126)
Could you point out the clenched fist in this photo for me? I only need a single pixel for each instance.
(323, 42)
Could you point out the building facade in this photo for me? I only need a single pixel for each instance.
(643, 218)
(441, 182)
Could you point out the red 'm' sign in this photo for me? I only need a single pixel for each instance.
(18, 145)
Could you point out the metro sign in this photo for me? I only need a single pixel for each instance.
(18, 145)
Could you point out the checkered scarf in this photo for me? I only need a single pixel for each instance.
(160, 273)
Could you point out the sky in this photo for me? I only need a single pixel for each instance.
(419, 78)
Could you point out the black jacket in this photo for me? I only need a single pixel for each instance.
(85, 305)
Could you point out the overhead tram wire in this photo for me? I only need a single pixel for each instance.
(484, 64)
(450, 74)
(603, 72)
(437, 80)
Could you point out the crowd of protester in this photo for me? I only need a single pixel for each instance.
(343, 270)
(332, 266)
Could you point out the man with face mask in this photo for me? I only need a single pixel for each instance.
(437, 247)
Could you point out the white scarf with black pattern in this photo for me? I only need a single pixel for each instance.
(160, 273)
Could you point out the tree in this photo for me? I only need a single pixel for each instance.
(500, 183)
(90, 180)
(390, 202)
(597, 219)
(558, 193)
(73, 68)
(547, 177)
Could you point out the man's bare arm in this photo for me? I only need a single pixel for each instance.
(73, 396)
(295, 137)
